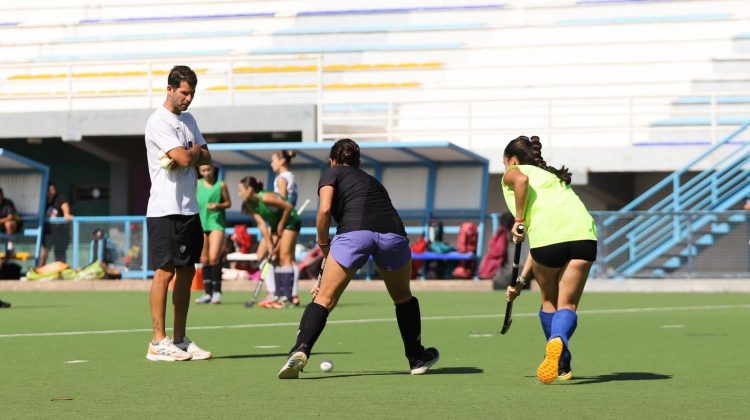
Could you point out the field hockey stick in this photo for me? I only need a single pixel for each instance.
(320, 277)
(303, 206)
(265, 266)
(513, 281)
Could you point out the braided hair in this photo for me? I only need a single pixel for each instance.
(529, 152)
(346, 152)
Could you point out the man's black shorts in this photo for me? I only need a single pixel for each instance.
(175, 238)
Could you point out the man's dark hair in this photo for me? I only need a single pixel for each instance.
(180, 74)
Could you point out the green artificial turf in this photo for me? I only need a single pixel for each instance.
(634, 356)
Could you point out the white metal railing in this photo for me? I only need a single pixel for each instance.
(707, 114)
(625, 119)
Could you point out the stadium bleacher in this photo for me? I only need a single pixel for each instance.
(634, 55)
(592, 77)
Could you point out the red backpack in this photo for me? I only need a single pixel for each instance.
(242, 240)
(467, 239)
(497, 254)
(418, 247)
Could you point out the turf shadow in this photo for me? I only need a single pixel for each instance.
(436, 371)
(619, 376)
(257, 356)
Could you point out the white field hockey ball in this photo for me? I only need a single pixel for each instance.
(326, 365)
(165, 162)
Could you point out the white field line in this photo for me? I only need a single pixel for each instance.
(379, 320)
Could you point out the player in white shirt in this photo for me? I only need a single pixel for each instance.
(285, 186)
(284, 183)
(174, 147)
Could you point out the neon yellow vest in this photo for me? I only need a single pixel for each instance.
(554, 213)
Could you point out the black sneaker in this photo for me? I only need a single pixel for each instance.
(4, 304)
(565, 372)
(419, 365)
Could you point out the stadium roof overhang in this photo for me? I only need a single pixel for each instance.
(426, 180)
(376, 154)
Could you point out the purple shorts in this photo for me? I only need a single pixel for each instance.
(389, 250)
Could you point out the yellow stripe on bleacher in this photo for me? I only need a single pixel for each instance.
(240, 70)
(327, 86)
(87, 75)
(223, 88)
(275, 69)
(336, 67)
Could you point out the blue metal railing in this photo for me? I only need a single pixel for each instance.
(699, 243)
(647, 236)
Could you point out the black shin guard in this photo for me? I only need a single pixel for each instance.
(216, 277)
(310, 326)
(410, 325)
(207, 283)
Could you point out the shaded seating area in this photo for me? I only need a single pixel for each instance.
(24, 181)
(426, 181)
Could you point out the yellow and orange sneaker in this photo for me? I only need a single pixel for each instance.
(267, 301)
(547, 371)
(280, 303)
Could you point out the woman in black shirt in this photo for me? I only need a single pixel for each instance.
(368, 226)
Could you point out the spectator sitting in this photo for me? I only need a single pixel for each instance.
(11, 222)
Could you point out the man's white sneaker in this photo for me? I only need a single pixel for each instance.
(166, 351)
(191, 348)
(206, 298)
(216, 298)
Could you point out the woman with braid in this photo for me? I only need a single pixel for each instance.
(368, 225)
(562, 244)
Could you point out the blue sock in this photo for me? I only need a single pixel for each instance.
(546, 319)
(564, 324)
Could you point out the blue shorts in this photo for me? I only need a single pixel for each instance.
(390, 251)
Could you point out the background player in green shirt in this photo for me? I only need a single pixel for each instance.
(270, 210)
(213, 200)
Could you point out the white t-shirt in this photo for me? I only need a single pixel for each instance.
(173, 190)
(291, 186)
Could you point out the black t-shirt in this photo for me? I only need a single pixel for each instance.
(360, 202)
(54, 209)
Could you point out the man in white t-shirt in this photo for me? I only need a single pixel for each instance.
(174, 147)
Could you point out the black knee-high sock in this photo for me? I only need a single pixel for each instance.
(216, 277)
(310, 326)
(410, 325)
(207, 283)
